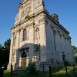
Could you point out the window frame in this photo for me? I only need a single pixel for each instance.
(24, 34)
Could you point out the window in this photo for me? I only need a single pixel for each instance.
(25, 35)
(54, 39)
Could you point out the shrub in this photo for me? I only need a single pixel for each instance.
(31, 69)
(27, 17)
(67, 63)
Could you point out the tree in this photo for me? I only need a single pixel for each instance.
(4, 52)
(1, 49)
(7, 45)
(74, 50)
(75, 59)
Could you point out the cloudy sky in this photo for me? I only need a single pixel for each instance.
(66, 10)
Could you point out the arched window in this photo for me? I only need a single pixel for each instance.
(54, 39)
(25, 35)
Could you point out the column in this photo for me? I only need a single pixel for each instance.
(27, 58)
(21, 37)
(10, 55)
(31, 43)
(60, 48)
(11, 49)
(20, 59)
(57, 42)
(17, 46)
(53, 49)
(62, 39)
(68, 49)
(65, 47)
(20, 13)
(57, 47)
(70, 52)
(43, 52)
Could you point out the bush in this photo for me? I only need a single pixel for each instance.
(27, 17)
(67, 63)
(31, 69)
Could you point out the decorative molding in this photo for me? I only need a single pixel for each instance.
(18, 30)
(54, 29)
(26, 11)
(58, 31)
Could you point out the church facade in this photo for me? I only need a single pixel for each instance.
(38, 35)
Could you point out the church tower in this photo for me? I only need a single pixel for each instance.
(39, 36)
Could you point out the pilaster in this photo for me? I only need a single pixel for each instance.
(11, 49)
(43, 41)
(31, 42)
(62, 41)
(20, 60)
(59, 46)
(11, 52)
(65, 47)
(53, 49)
(70, 52)
(17, 46)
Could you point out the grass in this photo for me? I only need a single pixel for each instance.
(56, 72)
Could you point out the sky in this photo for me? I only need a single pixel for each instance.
(66, 10)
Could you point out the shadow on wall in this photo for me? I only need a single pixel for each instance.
(32, 53)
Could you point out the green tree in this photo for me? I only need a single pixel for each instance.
(7, 45)
(74, 50)
(4, 52)
(75, 59)
(1, 49)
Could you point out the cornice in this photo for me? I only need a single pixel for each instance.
(47, 13)
(59, 25)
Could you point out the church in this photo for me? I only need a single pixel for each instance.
(39, 37)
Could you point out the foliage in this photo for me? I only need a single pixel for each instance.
(61, 72)
(7, 45)
(1, 49)
(31, 69)
(67, 63)
(75, 59)
(4, 53)
(74, 50)
(27, 17)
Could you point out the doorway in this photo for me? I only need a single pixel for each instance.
(23, 62)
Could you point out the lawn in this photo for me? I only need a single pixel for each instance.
(56, 72)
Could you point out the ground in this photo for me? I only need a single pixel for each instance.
(56, 72)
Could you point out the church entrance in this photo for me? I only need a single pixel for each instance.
(23, 63)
